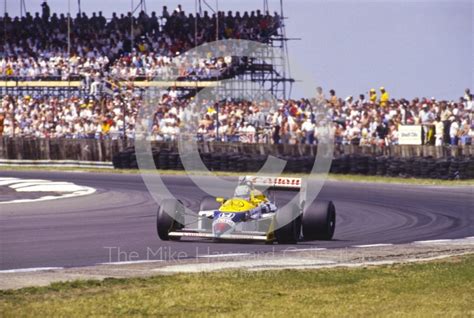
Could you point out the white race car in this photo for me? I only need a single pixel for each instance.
(250, 215)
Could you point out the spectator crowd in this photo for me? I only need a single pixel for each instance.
(41, 46)
(361, 121)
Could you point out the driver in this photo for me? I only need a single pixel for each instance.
(244, 191)
(247, 191)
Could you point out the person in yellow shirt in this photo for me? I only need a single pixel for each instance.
(141, 47)
(373, 96)
(9, 71)
(384, 97)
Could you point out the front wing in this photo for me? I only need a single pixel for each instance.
(244, 235)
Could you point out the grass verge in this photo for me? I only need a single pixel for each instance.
(333, 177)
(441, 288)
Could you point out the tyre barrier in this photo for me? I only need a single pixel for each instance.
(418, 167)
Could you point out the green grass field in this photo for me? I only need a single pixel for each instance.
(333, 177)
(442, 288)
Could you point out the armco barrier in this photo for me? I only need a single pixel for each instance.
(56, 163)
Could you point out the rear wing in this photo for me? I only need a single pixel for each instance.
(274, 183)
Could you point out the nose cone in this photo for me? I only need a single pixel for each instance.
(221, 228)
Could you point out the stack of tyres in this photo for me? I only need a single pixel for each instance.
(133, 161)
(215, 162)
(424, 167)
(116, 162)
(308, 163)
(224, 162)
(363, 163)
(179, 163)
(291, 164)
(296, 165)
(353, 164)
(416, 167)
(431, 170)
(470, 167)
(409, 166)
(344, 166)
(427, 167)
(233, 160)
(381, 166)
(463, 169)
(125, 159)
(122, 159)
(335, 165)
(393, 169)
(441, 170)
(241, 163)
(371, 166)
(401, 162)
(173, 158)
(255, 163)
(163, 160)
(454, 169)
(207, 160)
(156, 157)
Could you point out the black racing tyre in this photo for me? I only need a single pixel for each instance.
(170, 218)
(288, 225)
(319, 221)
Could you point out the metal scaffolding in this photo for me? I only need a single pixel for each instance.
(269, 71)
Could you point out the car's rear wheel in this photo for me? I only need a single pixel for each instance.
(170, 218)
(319, 221)
(288, 225)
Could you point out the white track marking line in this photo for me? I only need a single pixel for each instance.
(466, 240)
(132, 262)
(26, 270)
(47, 198)
(374, 245)
(305, 249)
(223, 255)
(252, 264)
(433, 241)
(15, 181)
(19, 182)
(37, 185)
(28, 183)
(50, 187)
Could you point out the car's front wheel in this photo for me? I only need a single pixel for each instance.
(169, 218)
(288, 225)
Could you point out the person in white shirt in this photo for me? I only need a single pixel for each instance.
(308, 130)
(222, 131)
(248, 133)
(439, 131)
(454, 130)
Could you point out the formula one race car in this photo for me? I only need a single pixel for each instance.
(250, 215)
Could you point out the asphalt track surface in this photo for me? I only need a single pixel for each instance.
(117, 223)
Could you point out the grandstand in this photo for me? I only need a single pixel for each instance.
(66, 54)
